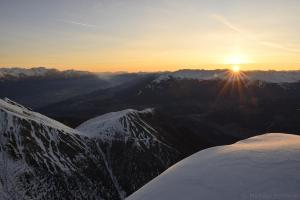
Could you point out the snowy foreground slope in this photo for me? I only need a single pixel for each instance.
(41, 158)
(262, 167)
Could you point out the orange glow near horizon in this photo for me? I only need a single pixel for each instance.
(113, 36)
(156, 68)
(150, 68)
(147, 62)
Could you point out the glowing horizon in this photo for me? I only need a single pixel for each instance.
(158, 35)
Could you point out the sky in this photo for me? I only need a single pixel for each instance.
(150, 35)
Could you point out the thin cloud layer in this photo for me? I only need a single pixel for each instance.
(251, 36)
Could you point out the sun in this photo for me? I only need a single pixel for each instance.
(236, 68)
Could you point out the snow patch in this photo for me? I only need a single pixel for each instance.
(126, 123)
(22, 112)
(262, 167)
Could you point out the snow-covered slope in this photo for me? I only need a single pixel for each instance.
(126, 137)
(262, 167)
(14, 109)
(41, 158)
(265, 76)
(44, 159)
(126, 123)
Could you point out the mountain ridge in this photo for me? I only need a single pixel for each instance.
(24, 73)
(76, 166)
(270, 76)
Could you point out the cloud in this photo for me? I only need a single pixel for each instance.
(251, 36)
(80, 24)
(225, 22)
(278, 46)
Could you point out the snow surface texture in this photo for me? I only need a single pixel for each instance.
(22, 112)
(125, 123)
(265, 76)
(130, 146)
(41, 158)
(262, 167)
(44, 159)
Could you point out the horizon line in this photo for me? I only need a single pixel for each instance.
(155, 71)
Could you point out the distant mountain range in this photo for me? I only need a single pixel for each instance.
(38, 87)
(270, 76)
(237, 107)
(264, 76)
(39, 72)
